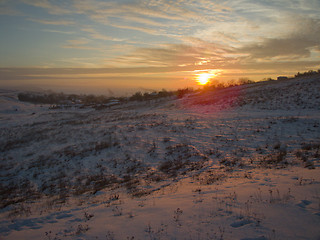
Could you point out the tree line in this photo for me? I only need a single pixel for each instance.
(87, 100)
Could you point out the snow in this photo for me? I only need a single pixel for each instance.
(237, 163)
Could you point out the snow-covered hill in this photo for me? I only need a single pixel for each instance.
(236, 163)
(290, 94)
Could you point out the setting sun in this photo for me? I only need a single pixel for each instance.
(203, 78)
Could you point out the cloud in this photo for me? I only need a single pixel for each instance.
(58, 31)
(96, 35)
(186, 34)
(196, 54)
(56, 9)
(6, 9)
(11, 74)
(275, 67)
(152, 17)
(290, 47)
(79, 44)
(185, 10)
(142, 20)
(131, 16)
(175, 55)
(159, 17)
(78, 62)
(79, 47)
(163, 11)
(136, 28)
(52, 22)
(78, 41)
(125, 19)
(298, 44)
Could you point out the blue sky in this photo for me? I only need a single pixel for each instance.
(95, 45)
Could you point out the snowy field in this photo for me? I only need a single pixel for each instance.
(238, 163)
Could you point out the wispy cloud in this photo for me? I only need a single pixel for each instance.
(78, 41)
(136, 28)
(143, 20)
(79, 44)
(52, 22)
(58, 31)
(96, 35)
(79, 47)
(59, 8)
(153, 15)
(175, 55)
(6, 9)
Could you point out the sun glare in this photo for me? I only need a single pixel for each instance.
(203, 78)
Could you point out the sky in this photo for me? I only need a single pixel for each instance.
(113, 47)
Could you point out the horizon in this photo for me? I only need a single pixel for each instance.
(121, 47)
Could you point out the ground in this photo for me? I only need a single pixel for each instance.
(237, 163)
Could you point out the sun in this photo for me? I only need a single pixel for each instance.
(203, 78)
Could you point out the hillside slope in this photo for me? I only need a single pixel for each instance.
(290, 94)
(237, 163)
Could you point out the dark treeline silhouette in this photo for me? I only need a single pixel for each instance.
(138, 96)
(61, 98)
(86, 100)
(308, 73)
(52, 98)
